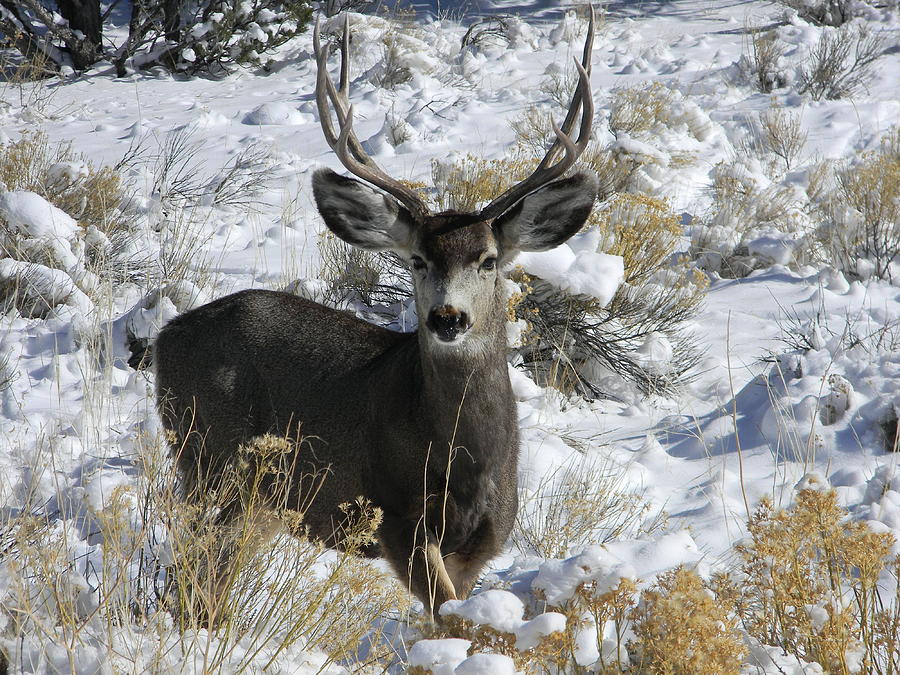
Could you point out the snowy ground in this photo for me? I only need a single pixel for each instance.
(70, 423)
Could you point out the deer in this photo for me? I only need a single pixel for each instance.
(422, 425)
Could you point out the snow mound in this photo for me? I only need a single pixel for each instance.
(586, 272)
(276, 113)
(438, 657)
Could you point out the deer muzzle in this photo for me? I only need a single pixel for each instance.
(447, 322)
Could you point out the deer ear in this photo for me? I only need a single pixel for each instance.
(547, 217)
(360, 215)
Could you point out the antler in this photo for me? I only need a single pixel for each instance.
(352, 155)
(546, 171)
(345, 144)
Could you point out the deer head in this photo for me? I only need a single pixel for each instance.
(455, 257)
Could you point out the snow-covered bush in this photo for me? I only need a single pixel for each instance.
(836, 12)
(755, 221)
(210, 36)
(856, 206)
(764, 63)
(842, 62)
(816, 585)
(89, 194)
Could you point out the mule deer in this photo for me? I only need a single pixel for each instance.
(422, 424)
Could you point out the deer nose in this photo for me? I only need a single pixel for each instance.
(447, 322)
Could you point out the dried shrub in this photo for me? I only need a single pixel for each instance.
(92, 196)
(574, 344)
(643, 230)
(637, 110)
(841, 63)
(651, 112)
(777, 133)
(472, 181)
(355, 275)
(680, 629)
(181, 179)
(154, 560)
(533, 130)
(766, 52)
(809, 582)
(577, 505)
(858, 208)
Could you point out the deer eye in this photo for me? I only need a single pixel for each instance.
(489, 264)
(418, 263)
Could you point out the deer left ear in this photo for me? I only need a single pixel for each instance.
(547, 217)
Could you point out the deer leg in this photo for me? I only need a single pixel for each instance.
(464, 566)
(415, 554)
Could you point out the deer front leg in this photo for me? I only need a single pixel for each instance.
(415, 554)
(464, 566)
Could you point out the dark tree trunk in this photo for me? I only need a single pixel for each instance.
(84, 16)
(172, 19)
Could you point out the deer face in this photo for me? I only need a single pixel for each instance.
(455, 258)
(455, 275)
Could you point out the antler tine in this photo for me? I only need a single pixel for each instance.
(581, 91)
(547, 171)
(345, 144)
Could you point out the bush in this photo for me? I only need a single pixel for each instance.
(809, 584)
(858, 211)
(841, 63)
(833, 12)
(766, 52)
(92, 196)
(190, 36)
(575, 344)
(681, 629)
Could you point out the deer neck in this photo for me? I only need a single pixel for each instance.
(467, 386)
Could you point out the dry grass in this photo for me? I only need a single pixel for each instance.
(92, 196)
(577, 505)
(809, 583)
(156, 555)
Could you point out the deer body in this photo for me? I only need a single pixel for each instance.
(423, 425)
(379, 416)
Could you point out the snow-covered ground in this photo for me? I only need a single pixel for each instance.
(758, 416)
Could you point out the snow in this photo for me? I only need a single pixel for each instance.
(438, 657)
(762, 416)
(499, 610)
(583, 273)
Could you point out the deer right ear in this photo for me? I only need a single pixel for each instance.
(360, 215)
